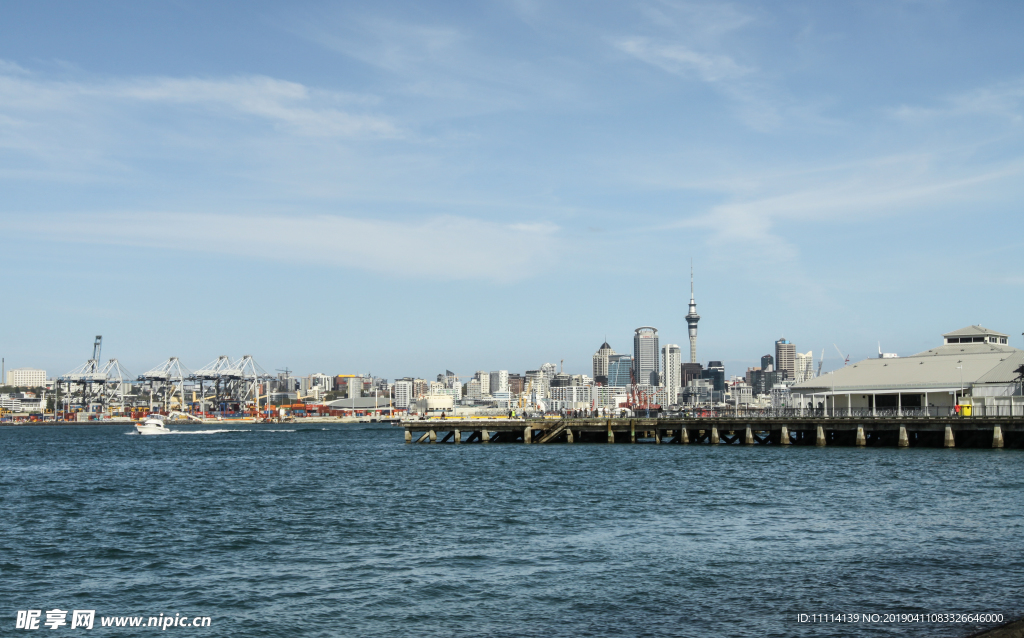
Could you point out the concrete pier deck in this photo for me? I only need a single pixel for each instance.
(953, 431)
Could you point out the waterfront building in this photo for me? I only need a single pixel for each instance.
(473, 389)
(619, 368)
(403, 393)
(785, 354)
(609, 396)
(691, 321)
(600, 360)
(973, 366)
(571, 397)
(741, 394)
(670, 358)
(26, 378)
(803, 367)
(646, 366)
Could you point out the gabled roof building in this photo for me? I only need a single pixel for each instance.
(974, 365)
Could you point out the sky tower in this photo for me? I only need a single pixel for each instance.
(691, 321)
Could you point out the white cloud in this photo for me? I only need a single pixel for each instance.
(444, 247)
(680, 60)
(1003, 100)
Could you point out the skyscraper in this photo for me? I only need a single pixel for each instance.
(601, 363)
(619, 368)
(785, 353)
(645, 356)
(691, 321)
(671, 356)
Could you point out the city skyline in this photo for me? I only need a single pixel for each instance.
(312, 173)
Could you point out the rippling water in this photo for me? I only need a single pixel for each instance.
(346, 531)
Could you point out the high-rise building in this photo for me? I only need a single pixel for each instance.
(785, 353)
(516, 383)
(499, 381)
(691, 321)
(690, 371)
(670, 358)
(715, 373)
(803, 366)
(601, 363)
(484, 378)
(646, 367)
(403, 393)
(767, 363)
(26, 377)
(536, 382)
(619, 368)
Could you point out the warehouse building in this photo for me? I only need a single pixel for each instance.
(974, 366)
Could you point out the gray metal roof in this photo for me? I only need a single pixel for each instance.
(935, 369)
(973, 331)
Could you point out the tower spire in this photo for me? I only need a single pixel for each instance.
(691, 319)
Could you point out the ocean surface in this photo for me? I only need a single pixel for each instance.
(344, 530)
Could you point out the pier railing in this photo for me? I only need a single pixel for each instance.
(966, 412)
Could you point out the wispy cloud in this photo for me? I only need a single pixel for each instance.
(680, 60)
(443, 247)
(1004, 100)
(302, 110)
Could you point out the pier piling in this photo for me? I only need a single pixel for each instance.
(997, 436)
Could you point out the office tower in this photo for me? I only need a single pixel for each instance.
(785, 353)
(516, 383)
(499, 381)
(484, 378)
(646, 367)
(601, 363)
(690, 371)
(619, 368)
(803, 366)
(670, 358)
(691, 321)
(767, 363)
(715, 373)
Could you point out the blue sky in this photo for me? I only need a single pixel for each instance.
(408, 187)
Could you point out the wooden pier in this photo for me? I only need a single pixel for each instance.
(976, 432)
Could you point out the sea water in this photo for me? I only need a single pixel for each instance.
(344, 530)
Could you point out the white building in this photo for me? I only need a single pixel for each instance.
(571, 397)
(403, 394)
(499, 381)
(26, 377)
(803, 367)
(485, 382)
(600, 361)
(671, 357)
(473, 390)
(609, 396)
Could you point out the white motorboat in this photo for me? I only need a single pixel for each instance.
(153, 424)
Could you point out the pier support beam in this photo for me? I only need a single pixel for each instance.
(997, 436)
(657, 436)
(408, 436)
(861, 440)
(528, 434)
(632, 433)
(485, 436)
(748, 437)
(904, 440)
(458, 436)
(568, 435)
(684, 436)
(784, 436)
(611, 435)
(819, 437)
(714, 436)
(947, 440)
(433, 436)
